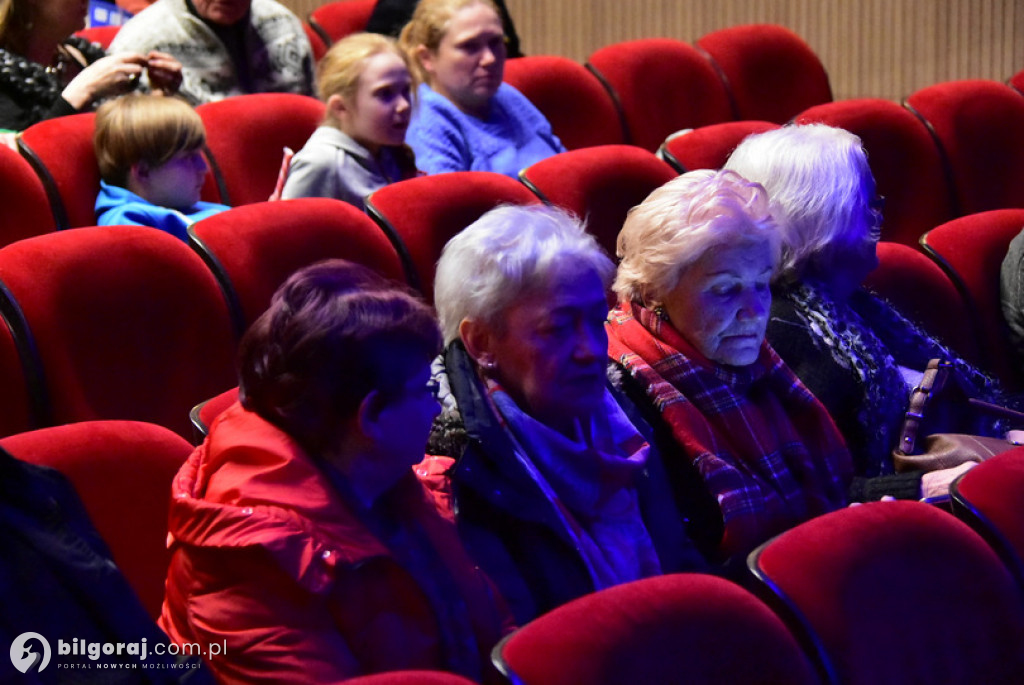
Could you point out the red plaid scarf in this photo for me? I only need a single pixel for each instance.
(765, 446)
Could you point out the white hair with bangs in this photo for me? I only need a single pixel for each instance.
(503, 256)
(680, 221)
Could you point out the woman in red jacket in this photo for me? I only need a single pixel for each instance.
(304, 541)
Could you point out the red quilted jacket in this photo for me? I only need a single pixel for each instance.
(271, 564)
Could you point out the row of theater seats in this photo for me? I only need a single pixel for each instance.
(951, 149)
(880, 593)
(96, 318)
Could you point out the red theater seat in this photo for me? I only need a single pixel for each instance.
(122, 471)
(26, 209)
(17, 413)
(335, 20)
(124, 322)
(1017, 81)
(988, 498)
(246, 136)
(708, 147)
(923, 293)
(977, 124)
(770, 72)
(662, 86)
(598, 184)
(682, 628)
(421, 214)
(253, 249)
(581, 112)
(889, 593)
(971, 250)
(60, 150)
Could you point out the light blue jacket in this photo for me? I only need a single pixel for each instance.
(118, 206)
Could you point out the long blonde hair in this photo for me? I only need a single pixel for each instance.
(428, 26)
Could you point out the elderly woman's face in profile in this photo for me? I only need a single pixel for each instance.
(721, 303)
(550, 350)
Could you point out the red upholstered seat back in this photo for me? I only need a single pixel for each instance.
(988, 497)
(335, 20)
(662, 86)
(61, 152)
(16, 414)
(899, 592)
(904, 159)
(682, 628)
(581, 111)
(1017, 81)
(769, 71)
(26, 210)
(127, 321)
(599, 184)
(709, 147)
(122, 471)
(255, 248)
(421, 214)
(978, 125)
(922, 292)
(246, 136)
(971, 250)
(316, 41)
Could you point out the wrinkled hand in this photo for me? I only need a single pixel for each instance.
(164, 72)
(106, 77)
(936, 483)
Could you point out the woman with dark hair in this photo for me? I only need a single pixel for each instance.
(47, 72)
(302, 538)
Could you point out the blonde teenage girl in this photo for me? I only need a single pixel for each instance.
(366, 83)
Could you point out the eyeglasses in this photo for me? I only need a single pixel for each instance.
(876, 206)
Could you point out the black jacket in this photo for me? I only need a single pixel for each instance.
(508, 524)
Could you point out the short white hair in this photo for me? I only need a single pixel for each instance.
(683, 219)
(505, 254)
(815, 176)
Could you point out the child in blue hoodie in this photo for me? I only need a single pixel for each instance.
(149, 150)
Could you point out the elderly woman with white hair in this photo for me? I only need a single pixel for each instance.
(698, 256)
(557, 492)
(855, 352)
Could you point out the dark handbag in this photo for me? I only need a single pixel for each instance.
(943, 450)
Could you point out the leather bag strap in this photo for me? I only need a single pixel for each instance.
(934, 378)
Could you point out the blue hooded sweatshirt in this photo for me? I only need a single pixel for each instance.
(119, 206)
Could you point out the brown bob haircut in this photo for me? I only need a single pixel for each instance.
(334, 332)
(143, 128)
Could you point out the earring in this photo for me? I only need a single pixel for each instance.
(659, 311)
